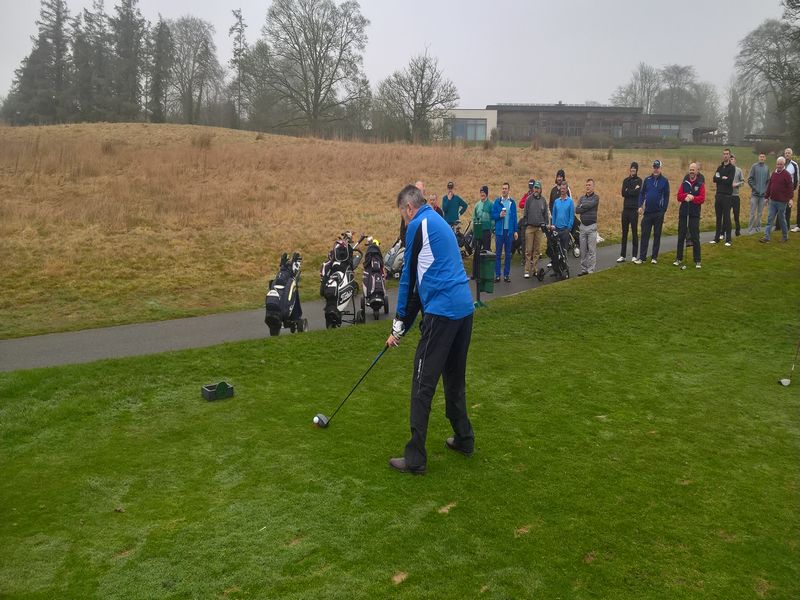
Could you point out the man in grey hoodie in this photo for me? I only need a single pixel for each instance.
(757, 179)
(535, 214)
(587, 209)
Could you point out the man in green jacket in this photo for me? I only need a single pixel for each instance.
(482, 226)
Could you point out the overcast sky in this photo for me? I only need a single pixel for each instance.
(493, 50)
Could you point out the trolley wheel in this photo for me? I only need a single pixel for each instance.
(363, 303)
(576, 252)
(274, 329)
(377, 314)
(360, 317)
(385, 304)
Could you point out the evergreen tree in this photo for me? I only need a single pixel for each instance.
(127, 29)
(238, 63)
(95, 24)
(160, 71)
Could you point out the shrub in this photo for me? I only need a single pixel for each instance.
(610, 155)
(770, 147)
(568, 153)
(259, 136)
(202, 141)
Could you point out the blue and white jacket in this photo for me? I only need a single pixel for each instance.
(433, 275)
(655, 194)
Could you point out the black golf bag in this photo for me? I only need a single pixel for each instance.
(283, 298)
(575, 238)
(338, 283)
(557, 255)
(393, 260)
(375, 296)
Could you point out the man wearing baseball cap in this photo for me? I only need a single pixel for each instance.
(453, 205)
(653, 202)
(535, 215)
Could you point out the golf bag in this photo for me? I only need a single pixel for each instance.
(393, 261)
(518, 245)
(338, 283)
(575, 238)
(461, 239)
(375, 296)
(283, 298)
(557, 254)
(469, 240)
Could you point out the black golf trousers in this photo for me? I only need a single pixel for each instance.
(736, 206)
(441, 352)
(722, 208)
(630, 218)
(688, 224)
(652, 221)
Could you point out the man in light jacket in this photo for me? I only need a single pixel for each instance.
(757, 179)
(587, 209)
(504, 215)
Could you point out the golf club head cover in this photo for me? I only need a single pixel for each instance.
(398, 328)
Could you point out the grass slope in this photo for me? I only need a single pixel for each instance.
(632, 442)
(105, 224)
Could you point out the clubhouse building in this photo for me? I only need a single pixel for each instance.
(523, 122)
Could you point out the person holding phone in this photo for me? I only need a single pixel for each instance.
(504, 215)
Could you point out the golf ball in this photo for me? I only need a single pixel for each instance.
(316, 420)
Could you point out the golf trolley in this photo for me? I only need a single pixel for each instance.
(393, 260)
(557, 254)
(466, 241)
(338, 283)
(282, 303)
(375, 296)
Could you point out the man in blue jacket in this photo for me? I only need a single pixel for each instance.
(433, 280)
(504, 215)
(653, 203)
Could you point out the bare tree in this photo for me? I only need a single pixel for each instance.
(676, 96)
(769, 59)
(420, 94)
(641, 90)
(315, 53)
(194, 63)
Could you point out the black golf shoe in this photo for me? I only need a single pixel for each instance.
(451, 443)
(399, 464)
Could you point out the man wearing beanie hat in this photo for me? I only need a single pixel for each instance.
(631, 186)
(482, 215)
(535, 214)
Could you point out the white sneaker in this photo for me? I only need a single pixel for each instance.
(636, 261)
(722, 237)
(676, 263)
(713, 242)
(728, 244)
(600, 239)
(621, 259)
(796, 229)
(697, 266)
(527, 275)
(654, 261)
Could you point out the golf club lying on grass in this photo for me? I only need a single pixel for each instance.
(321, 420)
(788, 381)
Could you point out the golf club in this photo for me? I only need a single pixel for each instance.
(321, 420)
(788, 381)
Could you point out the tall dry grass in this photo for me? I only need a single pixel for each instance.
(113, 223)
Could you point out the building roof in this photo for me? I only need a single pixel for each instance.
(561, 107)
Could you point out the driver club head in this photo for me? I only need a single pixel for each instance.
(785, 382)
(320, 421)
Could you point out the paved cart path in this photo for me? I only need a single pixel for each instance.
(198, 332)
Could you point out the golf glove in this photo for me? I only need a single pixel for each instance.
(398, 328)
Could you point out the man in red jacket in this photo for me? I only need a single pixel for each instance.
(779, 195)
(691, 196)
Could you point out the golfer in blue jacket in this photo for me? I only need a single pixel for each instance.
(504, 215)
(433, 280)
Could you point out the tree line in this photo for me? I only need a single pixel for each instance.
(763, 96)
(302, 75)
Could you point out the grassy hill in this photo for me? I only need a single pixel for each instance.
(105, 224)
(631, 442)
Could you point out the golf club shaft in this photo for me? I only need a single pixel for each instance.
(385, 348)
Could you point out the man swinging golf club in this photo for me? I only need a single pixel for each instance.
(433, 280)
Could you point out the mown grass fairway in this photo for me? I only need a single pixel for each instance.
(105, 224)
(632, 442)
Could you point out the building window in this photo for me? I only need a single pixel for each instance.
(472, 130)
